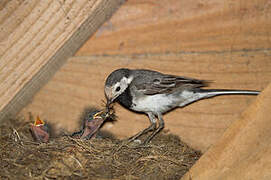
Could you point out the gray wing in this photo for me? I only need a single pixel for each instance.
(157, 83)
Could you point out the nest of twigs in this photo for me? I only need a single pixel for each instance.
(166, 157)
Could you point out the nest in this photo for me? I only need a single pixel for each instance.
(166, 157)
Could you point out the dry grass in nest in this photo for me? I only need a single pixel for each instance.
(166, 157)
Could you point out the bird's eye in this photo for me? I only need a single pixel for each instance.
(118, 89)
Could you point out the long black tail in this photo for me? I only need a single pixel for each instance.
(217, 92)
(198, 94)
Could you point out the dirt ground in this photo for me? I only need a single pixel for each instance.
(166, 157)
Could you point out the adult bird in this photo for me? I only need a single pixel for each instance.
(155, 93)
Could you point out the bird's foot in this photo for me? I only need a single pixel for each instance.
(133, 138)
(149, 138)
(146, 141)
(152, 127)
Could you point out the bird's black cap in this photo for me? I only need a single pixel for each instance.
(117, 75)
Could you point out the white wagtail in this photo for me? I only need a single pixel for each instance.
(154, 94)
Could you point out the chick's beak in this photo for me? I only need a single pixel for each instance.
(38, 122)
(98, 115)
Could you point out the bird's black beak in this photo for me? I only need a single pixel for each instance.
(109, 97)
(108, 104)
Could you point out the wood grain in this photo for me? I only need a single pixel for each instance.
(36, 38)
(243, 152)
(160, 26)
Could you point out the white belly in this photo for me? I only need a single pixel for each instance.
(163, 103)
(155, 103)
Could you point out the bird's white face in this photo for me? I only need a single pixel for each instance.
(112, 92)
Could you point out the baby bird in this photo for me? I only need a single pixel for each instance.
(92, 122)
(40, 130)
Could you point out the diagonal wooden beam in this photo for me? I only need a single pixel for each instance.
(37, 37)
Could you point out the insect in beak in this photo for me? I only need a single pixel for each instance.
(98, 115)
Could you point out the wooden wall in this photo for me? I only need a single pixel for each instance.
(226, 41)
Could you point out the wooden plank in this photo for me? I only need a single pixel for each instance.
(80, 82)
(36, 38)
(157, 26)
(244, 151)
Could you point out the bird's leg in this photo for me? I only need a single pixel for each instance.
(150, 128)
(160, 127)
